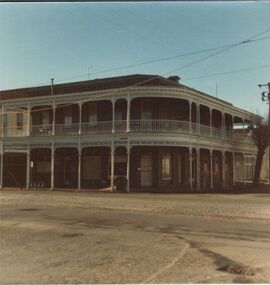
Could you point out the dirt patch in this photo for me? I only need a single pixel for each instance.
(238, 269)
(72, 235)
(29, 209)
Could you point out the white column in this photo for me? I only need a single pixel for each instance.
(128, 114)
(223, 169)
(198, 157)
(53, 119)
(113, 116)
(112, 168)
(190, 118)
(28, 169)
(190, 168)
(52, 166)
(128, 166)
(79, 167)
(211, 169)
(80, 117)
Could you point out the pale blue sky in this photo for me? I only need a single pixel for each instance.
(39, 41)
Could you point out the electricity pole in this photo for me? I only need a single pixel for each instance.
(266, 97)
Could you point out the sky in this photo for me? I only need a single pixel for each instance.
(77, 41)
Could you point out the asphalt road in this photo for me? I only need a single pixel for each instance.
(60, 237)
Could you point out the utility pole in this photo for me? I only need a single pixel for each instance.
(266, 97)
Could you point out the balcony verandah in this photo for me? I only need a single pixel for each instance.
(139, 115)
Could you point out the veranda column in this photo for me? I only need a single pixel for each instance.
(128, 113)
(223, 169)
(79, 167)
(211, 169)
(52, 166)
(80, 117)
(198, 157)
(128, 166)
(190, 168)
(112, 167)
(113, 116)
(53, 120)
(28, 168)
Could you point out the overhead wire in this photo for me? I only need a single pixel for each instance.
(228, 72)
(246, 41)
(154, 61)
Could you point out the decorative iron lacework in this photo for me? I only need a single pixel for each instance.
(85, 144)
(43, 145)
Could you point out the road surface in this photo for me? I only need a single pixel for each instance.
(63, 237)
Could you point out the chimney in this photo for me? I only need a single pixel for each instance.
(174, 78)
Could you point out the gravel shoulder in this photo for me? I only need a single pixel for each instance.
(222, 206)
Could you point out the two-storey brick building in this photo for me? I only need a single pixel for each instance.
(146, 131)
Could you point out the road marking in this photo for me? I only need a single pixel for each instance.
(168, 266)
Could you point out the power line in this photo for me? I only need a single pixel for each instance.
(228, 72)
(211, 55)
(160, 59)
(251, 39)
(223, 48)
(248, 40)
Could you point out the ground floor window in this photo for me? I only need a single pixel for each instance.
(166, 166)
(249, 167)
(92, 167)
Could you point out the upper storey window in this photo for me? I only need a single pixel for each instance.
(146, 110)
(45, 118)
(19, 120)
(68, 117)
(92, 113)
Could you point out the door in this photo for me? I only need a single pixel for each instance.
(146, 170)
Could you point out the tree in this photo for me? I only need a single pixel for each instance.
(261, 136)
